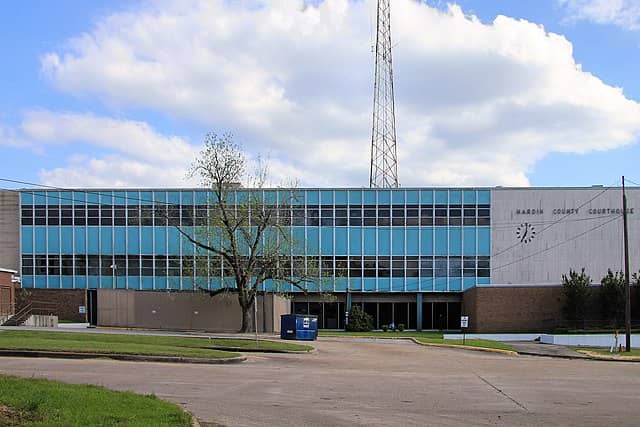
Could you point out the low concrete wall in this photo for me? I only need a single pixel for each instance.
(590, 340)
(41, 321)
(185, 310)
(494, 337)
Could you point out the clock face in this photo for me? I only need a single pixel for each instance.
(525, 232)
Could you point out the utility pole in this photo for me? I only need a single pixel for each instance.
(384, 159)
(627, 287)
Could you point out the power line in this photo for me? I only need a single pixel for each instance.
(558, 244)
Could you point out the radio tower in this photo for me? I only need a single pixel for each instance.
(384, 161)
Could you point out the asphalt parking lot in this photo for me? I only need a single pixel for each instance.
(349, 382)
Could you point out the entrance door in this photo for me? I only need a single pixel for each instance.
(92, 307)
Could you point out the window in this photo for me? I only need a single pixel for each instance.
(355, 267)
(27, 265)
(369, 266)
(119, 217)
(40, 215)
(40, 265)
(133, 216)
(147, 265)
(398, 216)
(80, 265)
(327, 217)
(188, 215)
(54, 265)
(440, 267)
(413, 215)
(93, 265)
(355, 215)
(384, 267)
(341, 216)
(106, 215)
(441, 215)
(80, 215)
(483, 215)
(455, 215)
(426, 215)
(67, 265)
(312, 216)
(53, 215)
(27, 215)
(93, 215)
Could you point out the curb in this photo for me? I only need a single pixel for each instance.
(598, 356)
(117, 356)
(467, 347)
(257, 350)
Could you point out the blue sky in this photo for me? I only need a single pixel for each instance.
(121, 93)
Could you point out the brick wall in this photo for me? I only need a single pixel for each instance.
(63, 303)
(513, 308)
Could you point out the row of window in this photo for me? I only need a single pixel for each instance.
(200, 215)
(202, 266)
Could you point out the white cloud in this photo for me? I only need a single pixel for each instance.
(477, 103)
(623, 13)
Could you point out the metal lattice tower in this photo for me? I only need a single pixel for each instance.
(384, 160)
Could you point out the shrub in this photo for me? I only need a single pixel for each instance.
(612, 297)
(576, 288)
(385, 328)
(359, 321)
(401, 327)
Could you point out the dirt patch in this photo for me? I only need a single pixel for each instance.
(11, 417)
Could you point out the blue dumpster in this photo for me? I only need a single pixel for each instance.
(298, 327)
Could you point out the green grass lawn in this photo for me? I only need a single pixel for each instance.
(423, 337)
(605, 351)
(148, 345)
(37, 402)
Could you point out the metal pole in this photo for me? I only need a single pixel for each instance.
(255, 314)
(627, 288)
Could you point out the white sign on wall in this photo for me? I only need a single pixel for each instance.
(464, 321)
(82, 309)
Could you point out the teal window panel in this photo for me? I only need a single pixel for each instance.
(469, 240)
(40, 282)
(426, 241)
(398, 241)
(146, 283)
(189, 248)
(441, 197)
(120, 240)
(79, 197)
(441, 244)
(384, 197)
(160, 196)
(186, 197)
(455, 241)
(384, 240)
(187, 283)
(133, 240)
(313, 241)
(369, 241)
(160, 240)
(80, 282)
(66, 282)
(413, 197)
(53, 282)
(106, 197)
(201, 197)
(355, 197)
(484, 241)
(93, 282)
(440, 284)
(355, 240)
(216, 283)
(93, 197)
(413, 240)
(469, 197)
(297, 198)
(397, 284)
(468, 283)
(121, 282)
(107, 282)
(426, 284)
(26, 239)
(355, 283)
(40, 239)
(384, 284)
(173, 241)
(26, 197)
(53, 198)
(119, 197)
(297, 240)
(173, 197)
(413, 284)
(484, 197)
(146, 240)
(483, 281)
(326, 197)
(133, 198)
(66, 197)
(455, 197)
(270, 197)
(53, 239)
(369, 197)
(106, 240)
(341, 197)
(39, 198)
(66, 240)
(93, 240)
(313, 197)
(146, 198)
(342, 241)
(340, 284)
(27, 281)
(369, 284)
(326, 243)
(173, 282)
(397, 197)
(160, 282)
(133, 282)
(455, 284)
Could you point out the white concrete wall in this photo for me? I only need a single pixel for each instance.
(42, 321)
(567, 244)
(494, 337)
(591, 340)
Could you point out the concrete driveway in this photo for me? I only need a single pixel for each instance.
(372, 382)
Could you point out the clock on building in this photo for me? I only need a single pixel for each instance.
(525, 232)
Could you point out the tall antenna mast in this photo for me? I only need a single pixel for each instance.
(384, 160)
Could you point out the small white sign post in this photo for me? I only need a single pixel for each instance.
(464, 324)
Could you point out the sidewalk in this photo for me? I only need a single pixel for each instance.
(549, 350)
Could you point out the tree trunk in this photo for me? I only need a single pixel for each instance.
(246, 318)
